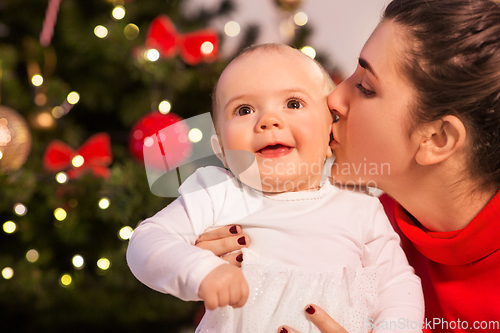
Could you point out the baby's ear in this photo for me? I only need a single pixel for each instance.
(217, 148)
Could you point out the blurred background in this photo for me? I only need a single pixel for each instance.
(83, 84)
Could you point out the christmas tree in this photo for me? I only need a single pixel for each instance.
(81, 81)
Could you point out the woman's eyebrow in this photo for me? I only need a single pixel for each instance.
(364, 64)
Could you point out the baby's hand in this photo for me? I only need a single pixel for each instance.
(225, 285)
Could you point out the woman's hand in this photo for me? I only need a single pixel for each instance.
(320, 318)
(225, 242)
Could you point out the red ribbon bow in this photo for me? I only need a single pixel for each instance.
(96, 153)
(163, 37)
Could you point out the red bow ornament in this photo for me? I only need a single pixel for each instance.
(193, 47)
(96, 154)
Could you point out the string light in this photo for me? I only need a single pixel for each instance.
(207, 48)
(32, 255)
(104, 203)
(1, 154)
(77, 161)
(78, 261)
(164, 107)
(118, 12)
(60, 214)
(61, 177)
(152, 55)
(45, 119)
(40, 99)
(37, 80)
(57, 112)
(125, 233)
(73, 97)
(103, 263)
(309, 51)
(195, 135)
(100, 31)
(131, 31)
(232, 29)
(9, 227)
(300, 19)
(66, 280)
(7, 273)
(20, 209)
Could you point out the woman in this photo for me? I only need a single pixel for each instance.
(425, 100)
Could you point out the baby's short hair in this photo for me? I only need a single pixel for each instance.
(272, 47)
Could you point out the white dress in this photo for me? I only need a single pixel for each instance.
(330, 247)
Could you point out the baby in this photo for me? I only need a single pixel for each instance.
(270, 106)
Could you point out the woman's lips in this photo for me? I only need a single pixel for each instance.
(276, 150)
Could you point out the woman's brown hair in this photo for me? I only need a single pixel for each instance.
(452, 58)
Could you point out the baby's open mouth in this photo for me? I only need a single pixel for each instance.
(275, 150)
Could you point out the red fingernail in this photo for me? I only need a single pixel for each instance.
(242, 241)
(310, 310)
(283, 330)
(239, 258)
(233, 230)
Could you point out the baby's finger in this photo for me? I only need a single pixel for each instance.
(222, 232)
(234, 259)
(286, 329)
(240, 295)
(226, 245)
(211, 302)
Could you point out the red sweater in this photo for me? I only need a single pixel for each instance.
(460, 270)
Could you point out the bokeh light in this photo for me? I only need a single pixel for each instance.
(60, 214)
(195, 135)
(309, 51)
(152, 55)
(77, 161)
(32, 255)
(125, 233)
(61, 177)
(104, 203)
(37, 80)
(78, 261)
(66, 280)
(118, 12)
(7, 273)
(300, 19)
(100, 31)
(20, 209)
(131, 31)
(73, 97)
(232, 29)
(165, 107)
(207, 48)
(9, 227)
(103, 263)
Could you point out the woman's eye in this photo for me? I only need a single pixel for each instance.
(293, 104)
(336, 118)
(364, 91)
(243, 111)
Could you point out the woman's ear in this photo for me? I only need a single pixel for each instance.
(440, 139)
(217, 148)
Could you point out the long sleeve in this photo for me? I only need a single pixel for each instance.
(400, 291)
(161, 253)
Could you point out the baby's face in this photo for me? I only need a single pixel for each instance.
(273, 104)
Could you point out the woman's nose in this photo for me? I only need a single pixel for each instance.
(338, 101)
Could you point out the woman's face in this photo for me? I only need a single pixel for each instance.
(371, 137)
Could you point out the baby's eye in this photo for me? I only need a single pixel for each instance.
(243, 111)
(293, 104)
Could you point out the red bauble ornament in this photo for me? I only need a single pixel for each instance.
(167, 129)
